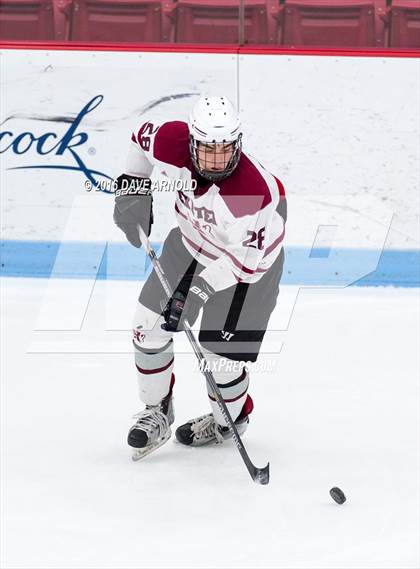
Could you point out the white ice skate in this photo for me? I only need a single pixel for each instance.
(152, 428)
(204, 430)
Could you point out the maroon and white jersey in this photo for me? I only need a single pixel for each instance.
(234, 227)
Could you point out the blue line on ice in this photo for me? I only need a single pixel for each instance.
(121, 261)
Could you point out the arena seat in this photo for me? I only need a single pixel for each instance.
(329, 23)
(404, 22)
(217, 21)
(274, 21)
(62, 12)
(22, 20)
(116, 21)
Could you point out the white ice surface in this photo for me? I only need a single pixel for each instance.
(341, 408)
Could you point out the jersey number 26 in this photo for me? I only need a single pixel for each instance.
(253, 237)
(144, 135)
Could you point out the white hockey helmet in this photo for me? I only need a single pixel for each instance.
(214, 120)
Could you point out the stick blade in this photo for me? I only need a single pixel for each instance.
(262, 475)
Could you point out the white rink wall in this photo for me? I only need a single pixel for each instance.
(342, 133)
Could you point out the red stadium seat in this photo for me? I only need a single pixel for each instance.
(404, 23)
(274, 21)
(62, 12)
(26, 20)
(217, 21)
(167, 20)
(116, 21)
(347, 23)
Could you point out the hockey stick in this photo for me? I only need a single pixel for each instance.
(259, 475)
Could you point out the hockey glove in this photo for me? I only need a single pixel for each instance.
(133, 206)
(186, 304)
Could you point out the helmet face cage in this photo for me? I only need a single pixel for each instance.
(229, 163)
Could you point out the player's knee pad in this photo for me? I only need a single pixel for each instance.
(153, 354)
(147, 330)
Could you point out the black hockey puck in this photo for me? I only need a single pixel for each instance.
(337, 495)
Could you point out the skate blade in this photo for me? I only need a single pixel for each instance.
(140, 453)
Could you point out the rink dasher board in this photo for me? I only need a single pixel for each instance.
(346, 126)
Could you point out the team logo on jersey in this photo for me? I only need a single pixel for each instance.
(202, 213)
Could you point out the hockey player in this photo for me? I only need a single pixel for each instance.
(225, 257)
